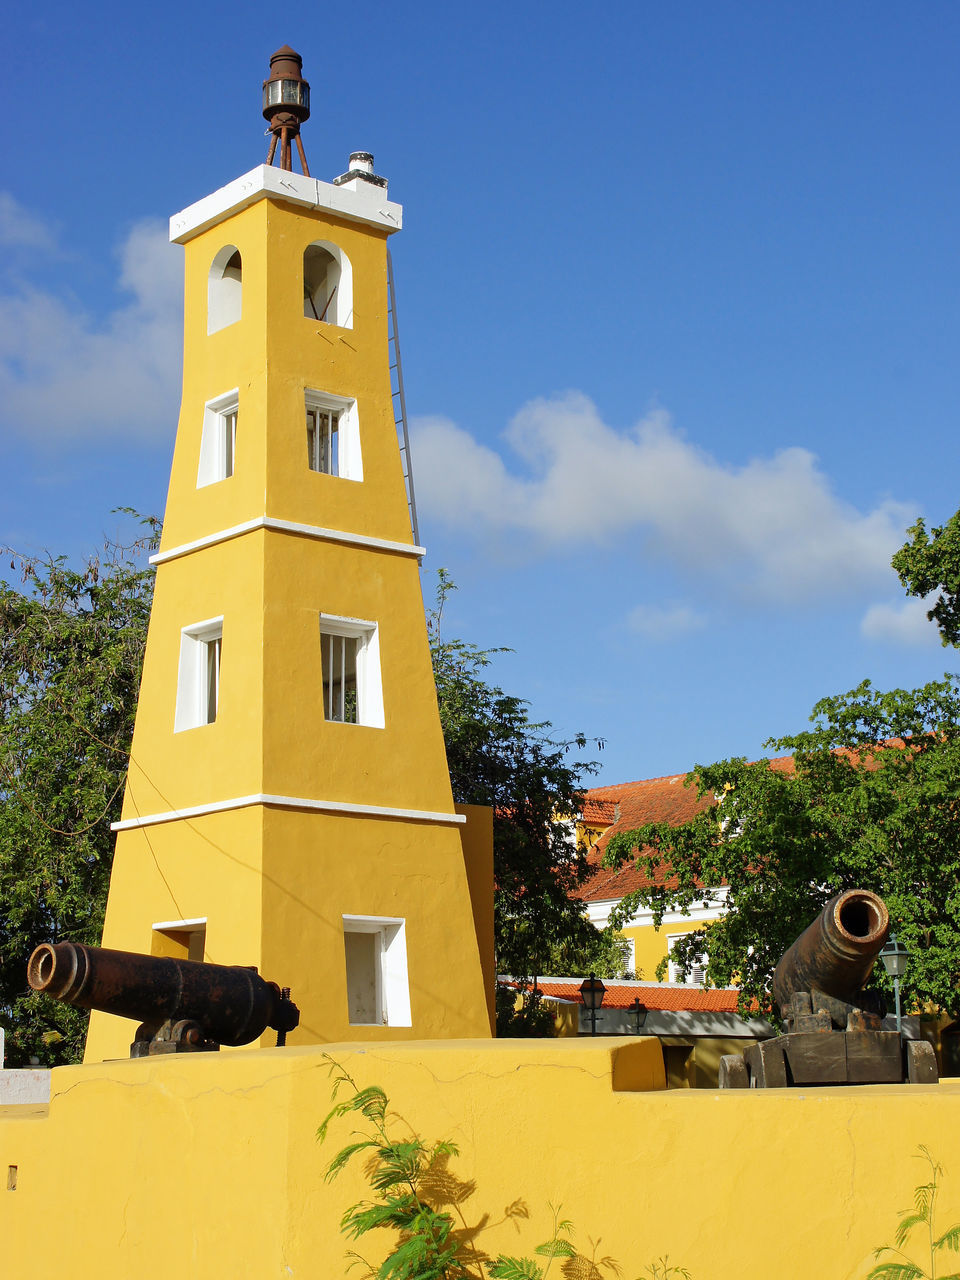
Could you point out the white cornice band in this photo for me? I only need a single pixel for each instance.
(289, 802)
(288, 526)
(356, 201)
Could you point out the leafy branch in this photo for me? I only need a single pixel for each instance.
(410, 1181)
(898, 1265)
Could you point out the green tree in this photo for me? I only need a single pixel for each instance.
(71, 651)
(848, 814)
(930, 562)
(498, 756)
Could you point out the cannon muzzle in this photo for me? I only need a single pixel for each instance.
(178, 1002)
(834, 957)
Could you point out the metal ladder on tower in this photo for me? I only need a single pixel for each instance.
(399, 402)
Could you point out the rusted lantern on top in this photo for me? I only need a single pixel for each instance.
(286, 104)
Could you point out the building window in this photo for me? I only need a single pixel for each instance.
(218, 443)
(378, 989)
(327, 284)
(350, 666)
(179, 939)
(696, 973)
(333, 435)
(323, 438)
(198, 684)
(224, 289)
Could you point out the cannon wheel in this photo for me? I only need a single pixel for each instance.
(733, 1072)
(921, 1062)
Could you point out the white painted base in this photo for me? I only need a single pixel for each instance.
(28, 1085)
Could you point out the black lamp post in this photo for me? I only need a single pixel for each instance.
(592, 992)
(640, 1011)
(895, 956)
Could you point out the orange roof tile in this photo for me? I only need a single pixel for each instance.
(667, 996)
(634, 804)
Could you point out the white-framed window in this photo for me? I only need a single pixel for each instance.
(378, 988)
(327, 284)
(350, 671)
(333, 435)
(198, 682)
(696, 974)
(180, 939)
(218, 442)
(224, 289)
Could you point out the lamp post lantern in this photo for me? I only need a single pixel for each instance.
(895, 956)
(592, 992)
(639, 1011)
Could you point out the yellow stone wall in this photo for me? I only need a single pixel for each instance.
(207, 1165)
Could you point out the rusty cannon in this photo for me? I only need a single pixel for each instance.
(834, 1032)
(182, 1005)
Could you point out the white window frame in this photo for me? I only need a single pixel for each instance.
(218, 443)
(349, 460)
(697, 975)
(340, 309)
(369, 684)
(224, 292)
(392, 979)
(195, 930)
(193, 680)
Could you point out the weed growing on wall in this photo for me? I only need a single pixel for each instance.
(662, 1270)
(921, 1219)
(410, 1179)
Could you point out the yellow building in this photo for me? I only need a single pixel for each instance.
(623, 807)
(288, 803)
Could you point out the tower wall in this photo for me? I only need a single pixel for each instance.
(273, 829)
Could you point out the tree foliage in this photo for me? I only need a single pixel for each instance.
(71, 650)
(930, 562)
(498, 756)
(849, 814)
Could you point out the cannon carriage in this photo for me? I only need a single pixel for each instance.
(834, 1032)
(182, 1006)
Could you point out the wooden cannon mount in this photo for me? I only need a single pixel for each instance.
(834, 1030)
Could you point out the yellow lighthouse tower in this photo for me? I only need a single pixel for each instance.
(288, 803)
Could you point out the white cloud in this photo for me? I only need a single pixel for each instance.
(663, 622)
(20, 229)
(773, 524)
(902, 623)
(64, 374)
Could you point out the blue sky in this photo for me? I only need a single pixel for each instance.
(679, 301)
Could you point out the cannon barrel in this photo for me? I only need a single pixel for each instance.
(836, 954)
(234, 1005)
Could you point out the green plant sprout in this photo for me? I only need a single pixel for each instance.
(662, 1270)
(923, 1214)
(410, 1178)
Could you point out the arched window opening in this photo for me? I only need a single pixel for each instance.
(224, 289)
(327, 285)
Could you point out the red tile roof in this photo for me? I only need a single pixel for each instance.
(667, 996)
(635, 803)
(598, 812)
(627, 805)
